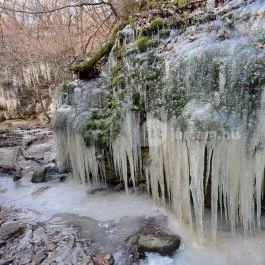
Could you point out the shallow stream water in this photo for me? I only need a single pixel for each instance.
(119, 214)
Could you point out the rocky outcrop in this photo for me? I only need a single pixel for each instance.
(69, 239)
(25, 147)
(28, 91)
(180, 103)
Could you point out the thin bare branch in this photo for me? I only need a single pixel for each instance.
(3, 7)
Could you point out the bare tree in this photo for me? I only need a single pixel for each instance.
(40, 38)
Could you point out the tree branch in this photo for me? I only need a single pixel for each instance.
(3, 7)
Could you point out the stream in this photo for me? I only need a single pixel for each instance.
(113, 216)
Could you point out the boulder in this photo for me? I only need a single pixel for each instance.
(49, 172)
(165, 245)
(38, 176)
(2, 118)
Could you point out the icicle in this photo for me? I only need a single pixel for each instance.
(71, 148)
(196, 151)
(127, 148)
(176, 168)
(9, 98)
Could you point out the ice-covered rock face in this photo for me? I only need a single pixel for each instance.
(195, 99)
(9, 97)
(20, 93)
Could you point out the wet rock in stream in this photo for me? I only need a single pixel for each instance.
(49, 172)
(71, 239)
(165, 245)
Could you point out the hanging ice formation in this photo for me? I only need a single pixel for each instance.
(14, 85)
(189, 118)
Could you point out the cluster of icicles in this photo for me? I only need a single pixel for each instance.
(177, 172)
(30, 76)
(9, 98)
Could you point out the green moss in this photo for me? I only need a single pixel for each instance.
(155, 24)
(180, 2)
(144, 42)
(98, 55)
(67, 88)
(103, 124)
(176, 99)
(116, 74)
(38, 177)
(119, 52)
(88, 68)
(146, 82)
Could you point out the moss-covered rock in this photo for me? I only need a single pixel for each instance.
(38, 176)
(165, 245)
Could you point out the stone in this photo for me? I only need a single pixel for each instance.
(261, 59)
(2, 243)
(261, 11)
(39, 257)
(39, 236)
(106, 259)
(38, 176)
(11, 230)
(63, 177)
(193, 36)
(51, 169)
(51, 247)
(2, 118)
(120, 187)
(6, 262)
(260, 46)
(95, 190)
(223, 34)
(165, 245)
(87, 261)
